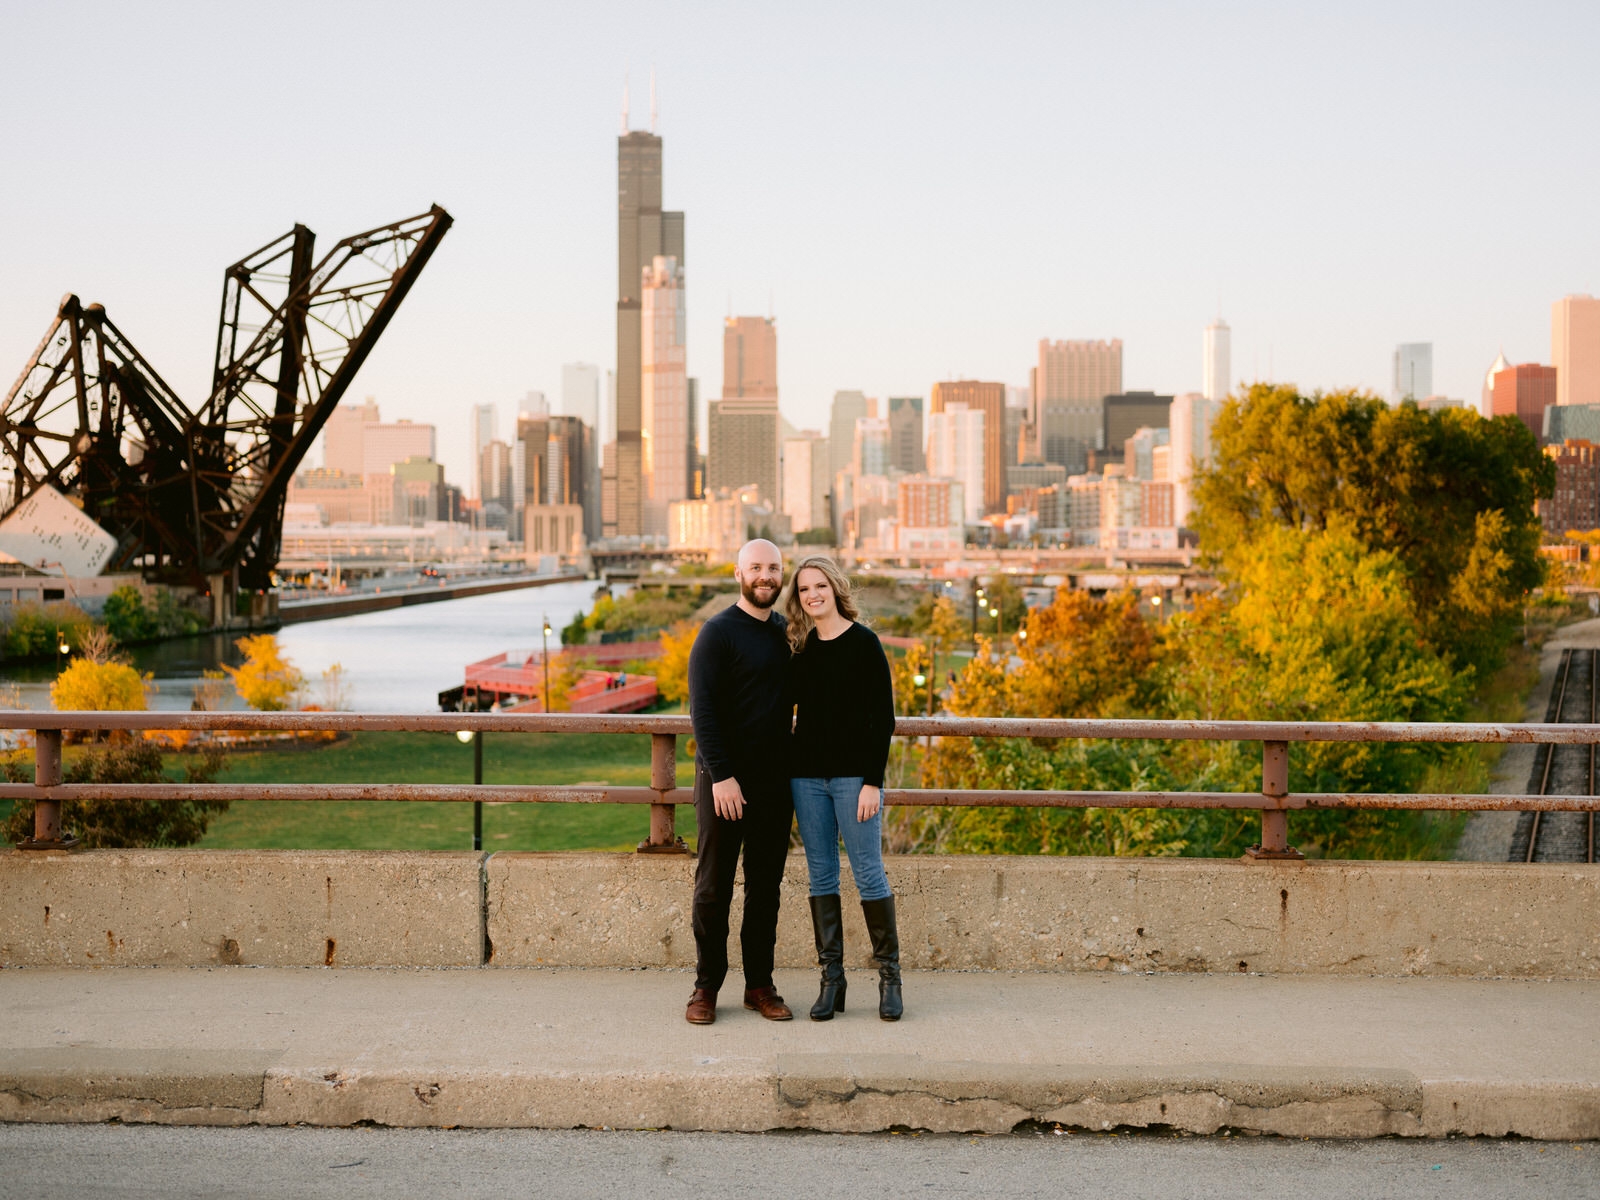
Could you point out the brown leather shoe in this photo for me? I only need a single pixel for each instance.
(768, 1003)
(702, 1008)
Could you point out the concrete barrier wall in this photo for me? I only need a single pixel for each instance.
(287, 908)
(255, 907)
(1088, 914)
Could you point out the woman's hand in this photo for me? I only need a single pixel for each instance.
(867, 804)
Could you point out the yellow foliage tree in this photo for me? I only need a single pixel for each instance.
(672, 669)
(87, 686)
(268, 680)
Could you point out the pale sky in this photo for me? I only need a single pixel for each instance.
(920, 191)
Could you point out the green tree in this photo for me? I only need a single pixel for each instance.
(116, 824)
(127, 617)
(1449, 494)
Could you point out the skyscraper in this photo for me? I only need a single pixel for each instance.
(989, 399)
(665, 439)
(848, 407)
(742, 446)
(644, 231)
(1130, 412)
(1069, 387)
(956, 445)
(1413, 372)
(872, 446)
(1575, 349)
(1191, 418)
(1216, 365)
(483, 432)
(1525, 391)
(750, 356)
(907, 447)
(580, 393)
(805, 480)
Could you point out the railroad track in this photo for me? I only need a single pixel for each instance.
(1564, 771)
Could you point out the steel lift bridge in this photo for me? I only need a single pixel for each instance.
(194, 497)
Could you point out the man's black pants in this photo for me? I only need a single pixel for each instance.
(763, 834)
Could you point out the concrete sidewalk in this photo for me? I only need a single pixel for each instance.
(1294, 1055)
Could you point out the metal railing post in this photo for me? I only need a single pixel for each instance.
(47, 813)
(1274, 817)
(663, 778)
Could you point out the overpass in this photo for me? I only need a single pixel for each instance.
(1272, 994)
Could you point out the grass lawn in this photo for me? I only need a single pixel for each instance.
(439, 758)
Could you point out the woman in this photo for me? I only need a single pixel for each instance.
(840, 746)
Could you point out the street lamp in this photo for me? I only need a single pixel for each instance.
(61, 648)
(463, 736)
(1156, 600)
(546, 655)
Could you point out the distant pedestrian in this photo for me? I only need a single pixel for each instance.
(622, 680)
(844, 719)
(740, 708)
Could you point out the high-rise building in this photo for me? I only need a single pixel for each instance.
(989, 399)
(343, 435)
(1126, 414)
(1190, 422)
(580, 393)
(848, 408)
(1525, 391)
(750, 357)
(1216, 361)
(484, 429)
(385, 443)
(743, 446)
(1575, 503)
(569, 457)
(1486, 399)
(1413, 372)
(530, 468)
(805, 480)
(665, 434)
(580, 398)
(929, 503)
(956, 450)
(1141, 459)
(871, 455)
(907, 447)
(494, 475)
(533, 404)
(1069, 387)
(644, 232)
(1575, 349)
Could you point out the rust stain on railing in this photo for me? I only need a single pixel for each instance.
(1273, 801)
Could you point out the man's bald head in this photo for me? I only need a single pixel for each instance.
(759, 550)
(759, 570)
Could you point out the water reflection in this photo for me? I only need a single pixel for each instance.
(394, 661)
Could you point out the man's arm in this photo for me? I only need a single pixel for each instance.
(705, 663)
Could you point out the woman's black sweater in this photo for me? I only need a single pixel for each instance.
(845, 707)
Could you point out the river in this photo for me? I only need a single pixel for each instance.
(393, 661)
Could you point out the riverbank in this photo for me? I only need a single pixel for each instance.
(292, 612)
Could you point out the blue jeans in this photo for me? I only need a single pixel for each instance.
(826, 808)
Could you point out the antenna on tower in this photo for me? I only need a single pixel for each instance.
(624, 104)
(652, 97)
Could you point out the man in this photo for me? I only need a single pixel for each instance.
(739, 703)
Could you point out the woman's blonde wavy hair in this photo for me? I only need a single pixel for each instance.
(800, 622)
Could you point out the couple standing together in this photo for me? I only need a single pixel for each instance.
(752, 673)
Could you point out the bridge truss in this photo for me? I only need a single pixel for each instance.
(192, 494)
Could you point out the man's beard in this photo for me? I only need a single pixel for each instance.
(748, 591)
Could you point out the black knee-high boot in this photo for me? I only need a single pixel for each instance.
(886, 952)
(827, 923)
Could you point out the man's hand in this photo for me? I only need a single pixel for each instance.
(867, 804)
(728, 799)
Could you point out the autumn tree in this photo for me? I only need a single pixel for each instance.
(267, 681)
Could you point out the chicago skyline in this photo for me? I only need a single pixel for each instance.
(819, 193)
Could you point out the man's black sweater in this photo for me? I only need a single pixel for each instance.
(846, 713)
(739, 697)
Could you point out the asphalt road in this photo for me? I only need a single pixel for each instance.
(83, 1162)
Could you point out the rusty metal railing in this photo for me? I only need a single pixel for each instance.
(1274, 801)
